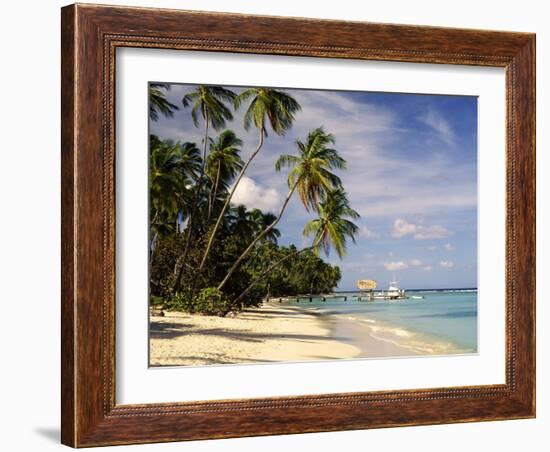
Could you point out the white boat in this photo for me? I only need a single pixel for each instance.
(393, 293)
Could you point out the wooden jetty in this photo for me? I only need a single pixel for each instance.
(366, 293)
(309, 297)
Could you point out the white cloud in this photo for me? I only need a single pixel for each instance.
(438, 123)
(447, 264)
(367, 233)
(415, 263)
(449, 247)
(402, 228)
(367, 136)
(427, 268)
(431, 232)
(393, 266)
(253, 195)
(432, 248)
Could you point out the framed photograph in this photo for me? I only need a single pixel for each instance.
(280, 225)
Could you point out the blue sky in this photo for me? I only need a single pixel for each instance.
(412, 176)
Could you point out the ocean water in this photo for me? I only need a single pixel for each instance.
(444, 316)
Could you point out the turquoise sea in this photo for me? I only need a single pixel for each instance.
(444, 317)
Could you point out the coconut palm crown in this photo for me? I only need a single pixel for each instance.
(332, 228)
(277, 107)
(172, 168)
(210, 102)
(311, 168)
(224, 161)
(159, 103)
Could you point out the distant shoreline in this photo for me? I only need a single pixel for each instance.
(344, 293)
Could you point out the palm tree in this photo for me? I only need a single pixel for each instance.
(223, 164)
(158, 102)
(210, 103)
(310, 175)
(261, 221)
(266, 106)
(239, 222)
(189, 159)
(332, 228)
(247, 223)
(172, 167)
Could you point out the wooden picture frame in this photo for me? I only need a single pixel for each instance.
(90, 36)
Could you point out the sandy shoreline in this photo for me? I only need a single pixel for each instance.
(264, 334)
(270, 333)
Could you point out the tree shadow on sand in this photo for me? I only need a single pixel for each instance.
(168, 330)
(171, 330)
(212, 359)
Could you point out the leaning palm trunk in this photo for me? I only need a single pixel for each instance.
(153, 239)
(228, 201)
(214, 192)
(258, 237)
(183, 259)
(267, 271)
(152, 247)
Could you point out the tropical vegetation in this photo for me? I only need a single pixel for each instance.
(211, 256)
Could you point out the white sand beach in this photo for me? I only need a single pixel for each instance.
(270, 333)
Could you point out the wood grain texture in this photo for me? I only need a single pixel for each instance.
(67, 227)
(90, 36)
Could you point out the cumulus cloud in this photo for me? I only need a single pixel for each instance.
(253, 195)
(427, 268)
(415, 263)
(402, 228)
(431, 232)
(367, 233)
(440, 125)
(449, 247)
(397, 265)
(447, 264)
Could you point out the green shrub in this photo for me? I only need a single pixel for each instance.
(211, 301)
(180, 302)
(156, 301)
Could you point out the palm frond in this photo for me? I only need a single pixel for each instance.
(158, 103)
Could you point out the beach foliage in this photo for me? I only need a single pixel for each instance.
(208, 301)
(211, 256)
(158, 102)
